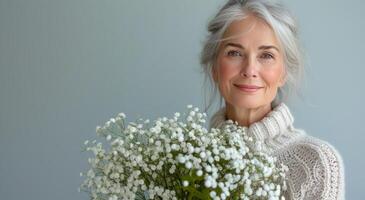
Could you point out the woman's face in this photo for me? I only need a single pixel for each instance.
(252, 58)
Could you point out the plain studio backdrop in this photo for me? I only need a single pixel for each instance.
(67, 66)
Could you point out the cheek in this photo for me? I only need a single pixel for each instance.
(272, 77)
(227, 71)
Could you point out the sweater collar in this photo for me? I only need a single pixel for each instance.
(277, 121)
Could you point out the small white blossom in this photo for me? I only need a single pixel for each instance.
(185, 183)
(188, 165)
(199, 173)
(109, 137)
(122, 115)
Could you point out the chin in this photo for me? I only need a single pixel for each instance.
(252, 103)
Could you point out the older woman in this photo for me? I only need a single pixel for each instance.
(252, 57)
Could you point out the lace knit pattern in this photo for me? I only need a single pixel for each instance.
(316, 169)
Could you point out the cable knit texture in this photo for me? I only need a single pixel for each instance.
(316, 169)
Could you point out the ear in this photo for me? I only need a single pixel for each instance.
(282, 80)
(214, 74)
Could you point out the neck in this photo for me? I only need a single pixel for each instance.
(247, 116)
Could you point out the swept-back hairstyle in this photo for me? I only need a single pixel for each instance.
(284, 27)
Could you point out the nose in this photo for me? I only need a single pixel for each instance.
(249, 68)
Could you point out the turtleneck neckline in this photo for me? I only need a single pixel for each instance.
(277, 121)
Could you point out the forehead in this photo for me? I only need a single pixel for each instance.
(251, 30)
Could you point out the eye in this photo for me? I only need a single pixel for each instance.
(267, 56)
(233, 53)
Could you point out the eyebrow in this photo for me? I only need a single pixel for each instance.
(261, 47)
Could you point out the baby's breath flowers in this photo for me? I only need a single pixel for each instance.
(177, 158)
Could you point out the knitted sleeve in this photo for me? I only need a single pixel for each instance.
(334, 169)
(316, 171)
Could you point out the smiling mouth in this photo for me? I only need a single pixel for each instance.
(248, 89)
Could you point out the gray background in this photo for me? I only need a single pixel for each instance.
(67, 66)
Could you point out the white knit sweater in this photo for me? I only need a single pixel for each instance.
(316, 169)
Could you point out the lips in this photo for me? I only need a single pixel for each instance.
(248, 88)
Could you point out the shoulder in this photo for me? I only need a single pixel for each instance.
(322, 150)
(323, 166)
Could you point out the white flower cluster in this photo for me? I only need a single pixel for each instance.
(179, 159)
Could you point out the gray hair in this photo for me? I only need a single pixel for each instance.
(285, 28)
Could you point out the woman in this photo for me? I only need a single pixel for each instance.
(252, 57)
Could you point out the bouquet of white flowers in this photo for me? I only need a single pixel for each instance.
(179, 159)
